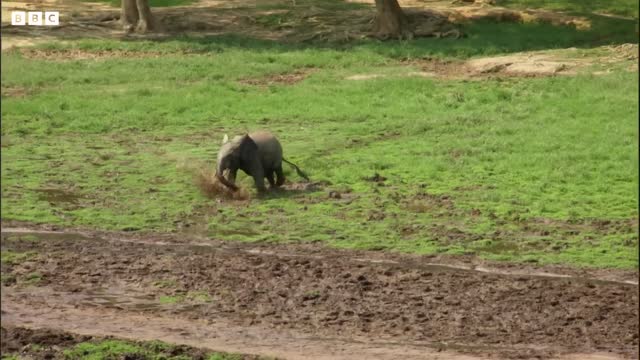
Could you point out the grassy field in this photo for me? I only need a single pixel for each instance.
(527, 169)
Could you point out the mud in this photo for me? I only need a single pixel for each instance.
(44, 343)
(316, 293)
(279, 79)
(19, 230)
(212, 188)
(203, 177)
(17, 340)
(59, 197)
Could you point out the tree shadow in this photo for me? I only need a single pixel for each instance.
(483, 37)
(290, 29)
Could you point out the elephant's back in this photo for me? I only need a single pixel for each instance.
(269, 147)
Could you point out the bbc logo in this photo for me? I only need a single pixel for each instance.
(37, 18)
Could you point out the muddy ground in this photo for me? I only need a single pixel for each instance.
(299, 301)
(52, 344)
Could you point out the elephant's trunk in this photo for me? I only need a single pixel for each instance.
(223, 180)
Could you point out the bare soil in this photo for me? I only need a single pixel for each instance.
(51, 344)
(302, 300)
(290, 78)
(563, 62)
(284, 21)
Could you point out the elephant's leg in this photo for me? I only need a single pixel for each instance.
(280, 176)
(258, 177)
(272, 182)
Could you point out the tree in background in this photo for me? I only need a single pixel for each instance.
(390, 20)
(136, 16)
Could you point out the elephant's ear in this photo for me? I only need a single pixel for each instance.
(225, 139)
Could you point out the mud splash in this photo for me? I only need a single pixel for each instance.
(205, 180)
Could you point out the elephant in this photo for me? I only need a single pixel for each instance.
(258, 154)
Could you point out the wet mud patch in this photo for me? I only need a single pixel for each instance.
(376, 178)
(305, 187)
(390, 300)
(39, 343)
(423, 202)
(291, 78)
(46, 343)
(60, 198)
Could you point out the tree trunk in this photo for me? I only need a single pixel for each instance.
(136, 15)
(390, 20)
(129, 15)
(145, 23)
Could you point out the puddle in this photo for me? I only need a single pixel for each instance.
(19, 233)
(111, 297)
(59, 197)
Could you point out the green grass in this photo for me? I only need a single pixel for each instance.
(153, 350)
(514, 169)
(170, 299)
(618, 7)
(13, 258)
(164, 283)
(33, 278)
(194, 296)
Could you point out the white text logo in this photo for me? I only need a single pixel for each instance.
(36, 18)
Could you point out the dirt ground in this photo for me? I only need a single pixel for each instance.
(305, 301)
(292, 23)
(214, 17)
(52, 343)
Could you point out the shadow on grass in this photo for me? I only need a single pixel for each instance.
(483, 38)
(618, 7)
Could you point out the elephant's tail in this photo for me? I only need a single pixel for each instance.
(302, 174)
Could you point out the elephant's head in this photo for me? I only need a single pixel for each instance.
(238, 153)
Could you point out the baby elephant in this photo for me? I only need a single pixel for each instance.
(258, 154)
